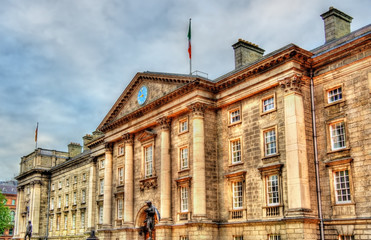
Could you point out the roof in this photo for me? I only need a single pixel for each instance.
(8, 188)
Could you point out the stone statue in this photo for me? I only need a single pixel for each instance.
(28, 231)
(150, 219)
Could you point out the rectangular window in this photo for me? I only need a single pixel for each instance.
(82, 219)
(67, 182)
(59, 201)
(53, 188)
(183, 238)
(83, 195)
(74, 198)
(73, 221)
(237, 195)
(342, 186)
(184, 199)
(13, 202)
(60, 184)
(268, 104)
(237, 237)
(65, 221)
(274, 237)
(119, 208)
(52, 204)
(236, 151)
(183, 125)
(148, 159)
(102, 162)
(272, 190)
(58, 221)
(100, 220)
(270, 146)
(120, 173)
(84, 176)
(66, 200)
(234, 116)
(101, 186)
(334, 95)
(51, 224)
(184, 158)
(75, 179)
(346, 237)
(120, 150)
(337, 134)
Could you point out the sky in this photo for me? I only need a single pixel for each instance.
(64, 63)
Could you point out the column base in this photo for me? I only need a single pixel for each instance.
(299, 212)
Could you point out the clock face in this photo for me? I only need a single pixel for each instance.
(142, 95)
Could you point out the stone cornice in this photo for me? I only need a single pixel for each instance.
(95, 143)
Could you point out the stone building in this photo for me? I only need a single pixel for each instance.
(279, 148)
(9, 190)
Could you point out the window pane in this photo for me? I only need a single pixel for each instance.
(342, 189)
(270, 142)
(272, 190)
(337, 132)
(268, 104)
(235, 116)
(335, 95)
(148, 161)
(236, 151)
(237, 195)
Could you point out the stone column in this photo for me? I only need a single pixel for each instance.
(35, 220)
(296, 146)
(129, 179)
(90, 196)
(20, 209)
(165, 177)
(107, 198)
(199, 178)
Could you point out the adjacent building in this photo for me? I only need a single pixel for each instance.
(9, 190)
(279, 148)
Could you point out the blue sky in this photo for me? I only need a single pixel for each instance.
(64, 63)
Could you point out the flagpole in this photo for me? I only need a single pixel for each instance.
(190, 47)
(36, 132)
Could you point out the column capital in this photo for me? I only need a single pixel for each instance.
(108, 146)
(198, 109)
(128, 138)
(164, 122)
(292, 83)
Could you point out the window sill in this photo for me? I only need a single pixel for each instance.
(334, 103)
(234, 124)
(268, 112)
(148, 183)
(339, 150)
(344, 204)
(271, 156)
(181, 133)
(184, 170)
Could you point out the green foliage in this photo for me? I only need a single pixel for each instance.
(5, 218)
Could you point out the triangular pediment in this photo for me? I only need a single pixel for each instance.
(157, 85)
(146, 135)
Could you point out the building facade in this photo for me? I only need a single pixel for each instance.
(9, 190)
(278, 148)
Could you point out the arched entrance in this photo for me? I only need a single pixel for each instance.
(139, 223)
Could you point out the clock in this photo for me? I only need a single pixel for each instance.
(142, 95)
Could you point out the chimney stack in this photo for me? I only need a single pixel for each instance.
(246, 53)
(87, 139)
(74, 149)
(337, 24)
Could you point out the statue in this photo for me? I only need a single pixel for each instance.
(150, 219)
(28, 231)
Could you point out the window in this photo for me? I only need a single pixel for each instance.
(83, 195)
(274, 237)
(237, 237)
(73, 221)
(184, 199)
(120, 176)
(120, 150)
(65, 221)
(74, 198)
(59, 201)
(102, 163)
(100, 220)
(183, 158)
(342, 186)
(334, 95)
(337, 135)
(82, 219)
(11, 231)
(235, 149)
(51, 224)
(183, 238)
(66, 200)
(183, 125)
(346, 237)
(52, 204)
(74, 179)
(234, 116)
(272, 190)
(13, 201)
(148, 161)
(268, 104)
(12, 216)
(67, 182)
(84, 176)
(237, 195)
(60, 184)
(58, 221)
(101, 186)
(53, 188)
(270, 146)
(119, 208)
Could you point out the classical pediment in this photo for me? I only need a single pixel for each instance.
(157, 85)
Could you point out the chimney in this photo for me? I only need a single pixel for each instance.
(87, 139)
(337, 24)
(246, 53)
(74, 149)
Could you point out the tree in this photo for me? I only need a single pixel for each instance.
(5, 219)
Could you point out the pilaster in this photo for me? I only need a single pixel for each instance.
(91, 196)
(107, 199)
(296, 146)
(129, 179)
(36, 207)
(199, 178)
(165, 177)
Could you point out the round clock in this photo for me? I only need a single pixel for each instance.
(142, 95)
